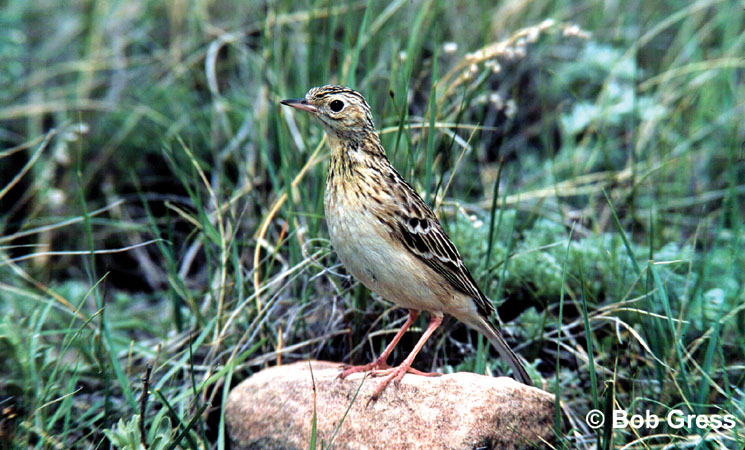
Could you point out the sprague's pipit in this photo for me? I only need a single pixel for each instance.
(388, 238)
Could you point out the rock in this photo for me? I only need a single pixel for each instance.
(273, 409)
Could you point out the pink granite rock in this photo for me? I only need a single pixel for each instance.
(273, 409)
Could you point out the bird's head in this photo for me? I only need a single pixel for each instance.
(341, 110)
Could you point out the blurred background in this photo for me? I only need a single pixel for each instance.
(161, 217)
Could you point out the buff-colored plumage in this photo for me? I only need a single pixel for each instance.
(387, 237)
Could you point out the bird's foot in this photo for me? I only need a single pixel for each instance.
(396, 374)
(387, 371)
(377, 365)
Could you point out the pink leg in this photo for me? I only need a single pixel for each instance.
(381, 363)
(398, 372)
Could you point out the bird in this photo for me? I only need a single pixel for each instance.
(388, 238)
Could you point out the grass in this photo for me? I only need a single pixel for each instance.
(161, 217)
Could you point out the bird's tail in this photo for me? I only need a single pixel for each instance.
(495, 337)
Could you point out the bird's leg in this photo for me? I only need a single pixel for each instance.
(398, 372)
(381, 363)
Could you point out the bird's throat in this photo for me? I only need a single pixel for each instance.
(351, 157)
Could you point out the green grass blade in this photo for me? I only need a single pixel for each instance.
(344, 416)
(621, 231)
(588, 338)
(431, 130)
(559, 327)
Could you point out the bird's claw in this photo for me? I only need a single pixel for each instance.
(375, 366)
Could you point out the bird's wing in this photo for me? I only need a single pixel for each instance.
(422, 235)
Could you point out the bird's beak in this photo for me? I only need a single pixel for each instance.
(300, 103)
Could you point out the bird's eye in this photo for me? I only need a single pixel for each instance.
(336, 105)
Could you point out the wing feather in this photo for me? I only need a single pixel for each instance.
(424, 237)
